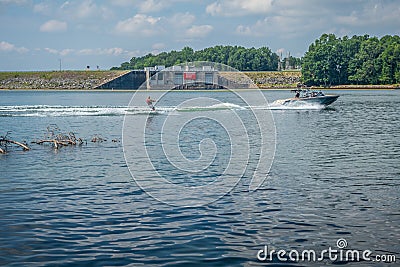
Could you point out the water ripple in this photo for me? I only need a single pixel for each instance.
(335, 175)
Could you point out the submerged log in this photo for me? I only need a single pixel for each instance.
(24, 146)
(54, 141)
(98, 139)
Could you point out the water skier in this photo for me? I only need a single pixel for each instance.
(150, 102)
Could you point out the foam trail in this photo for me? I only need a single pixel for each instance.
(299, 105)
(215, 107)
(71, 111)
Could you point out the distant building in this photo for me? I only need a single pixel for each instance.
(182, 77)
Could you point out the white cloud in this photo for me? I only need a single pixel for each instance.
(199, 31)
(84, 10)
(370, 15)
(7, 47)
(260, 28)
(63, 52)
(4, 46)
(291, 19)
(214, 9)
(54, 26)
(42, 8)
(158, 46)
(65, 5)
(123, 3)
(66, 52)
(16, 2)
(114, 51)
(243, 30)
(148, 6)
(239, 7)
(348, 19)
(282, 26)
(181, 25)
(51, 51)
(181, 20)
(139, 23)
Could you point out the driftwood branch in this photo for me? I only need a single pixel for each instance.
(58, 142)
(58, 139)
(54, 137)
(4, 141)
(24, 147)
(97, 138)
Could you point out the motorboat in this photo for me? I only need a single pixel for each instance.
(308, 96)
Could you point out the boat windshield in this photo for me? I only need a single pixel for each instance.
(307, 93)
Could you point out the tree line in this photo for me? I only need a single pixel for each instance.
(329, 60)
(357, 60)
(238, 57)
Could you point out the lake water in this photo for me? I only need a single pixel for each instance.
(334, 173)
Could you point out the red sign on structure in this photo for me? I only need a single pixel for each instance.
(189, 75)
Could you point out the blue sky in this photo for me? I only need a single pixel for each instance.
(38, 34)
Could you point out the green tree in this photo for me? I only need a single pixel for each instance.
(358, 60)
(390, 59)
(237, 57)
(366, 65)
(320, 63)
(187, 54)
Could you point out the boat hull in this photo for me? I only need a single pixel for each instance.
(320, 100)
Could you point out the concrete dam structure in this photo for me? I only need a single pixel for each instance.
(128, 81)
(179, 78)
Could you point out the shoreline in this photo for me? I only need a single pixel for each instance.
(89, 81)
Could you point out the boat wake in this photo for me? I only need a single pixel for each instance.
(298, 105)
(219, 106)
(68, 111)
(71, 111)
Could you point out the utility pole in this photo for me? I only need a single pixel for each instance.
(60, 63)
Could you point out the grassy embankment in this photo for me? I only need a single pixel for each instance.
(275, 79)
(56, 80)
